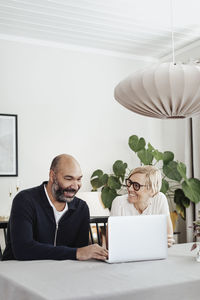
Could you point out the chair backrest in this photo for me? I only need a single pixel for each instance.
(98, 230)
(3, 225)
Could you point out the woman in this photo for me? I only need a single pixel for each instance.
(144, 197)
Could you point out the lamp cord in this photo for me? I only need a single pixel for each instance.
(172, 29)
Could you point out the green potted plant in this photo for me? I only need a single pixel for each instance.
(178, 188)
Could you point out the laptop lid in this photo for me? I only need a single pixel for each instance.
(134, 238)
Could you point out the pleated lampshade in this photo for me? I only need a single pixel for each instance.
(163, 91)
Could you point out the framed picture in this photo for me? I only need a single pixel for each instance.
(8, 145)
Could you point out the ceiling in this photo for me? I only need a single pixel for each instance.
(135, 28)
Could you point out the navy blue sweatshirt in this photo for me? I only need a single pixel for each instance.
(32, 232)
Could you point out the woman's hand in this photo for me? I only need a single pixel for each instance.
(170, 240)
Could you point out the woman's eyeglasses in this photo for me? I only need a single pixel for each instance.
(136, 185)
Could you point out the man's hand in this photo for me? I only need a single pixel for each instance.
(170, 240)
(92, 251)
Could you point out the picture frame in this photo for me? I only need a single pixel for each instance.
(8, 145)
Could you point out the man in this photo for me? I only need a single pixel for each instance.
(49, 222)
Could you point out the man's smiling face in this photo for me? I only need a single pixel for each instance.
(66, 180)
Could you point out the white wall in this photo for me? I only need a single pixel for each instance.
(174, 132)
(64, 102)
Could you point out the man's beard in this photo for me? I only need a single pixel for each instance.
(58, 192)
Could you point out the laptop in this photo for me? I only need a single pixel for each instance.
(137, 238)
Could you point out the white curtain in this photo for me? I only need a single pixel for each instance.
(196, 154)
(192, 160)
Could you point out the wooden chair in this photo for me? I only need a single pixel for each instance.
(100, 226)
(3, 225)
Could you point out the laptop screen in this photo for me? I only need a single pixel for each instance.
(134, 238)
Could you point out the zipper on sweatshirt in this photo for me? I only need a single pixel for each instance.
(55, 237)
(57, 223)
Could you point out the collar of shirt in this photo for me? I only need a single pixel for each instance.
(57, 214)
(146, 211)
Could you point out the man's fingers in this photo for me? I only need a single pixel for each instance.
(100, 250)
(92, 251)
(101, 253)
(100, 257)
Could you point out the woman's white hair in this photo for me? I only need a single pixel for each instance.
(153, 178)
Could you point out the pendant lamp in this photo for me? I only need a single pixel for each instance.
(163, 91)
(166, 90)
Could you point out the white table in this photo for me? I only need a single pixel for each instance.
(177, 277)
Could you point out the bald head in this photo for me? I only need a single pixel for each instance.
(63, 159)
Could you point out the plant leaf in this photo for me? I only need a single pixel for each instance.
(136, 144)
(180, 198)
(165, 186)
(181, 167)
(167, 157)
(95, 183)
(186, 202)
(170, 170)
(97, 173)
(181, 211)
(104, 178)
(98, 179)
(158, 155)
(119, 169)
(114, 183)
(107, 196)
(150, 147)
(145, 156)
(191, 189)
